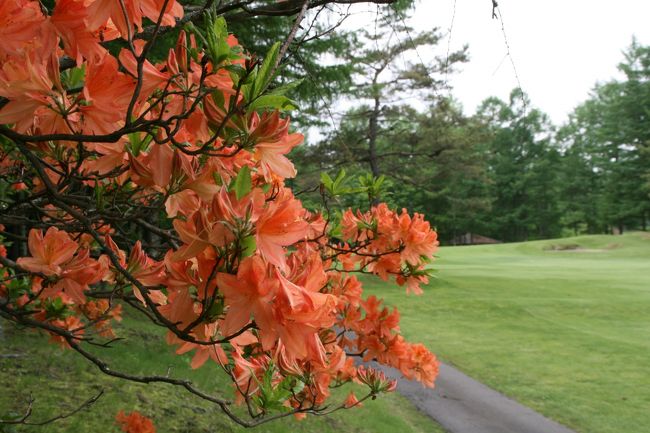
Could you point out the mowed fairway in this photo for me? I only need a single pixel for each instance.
(564, 332)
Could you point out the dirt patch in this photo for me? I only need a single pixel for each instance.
(575, 248)
(562, 247)
(582, 250)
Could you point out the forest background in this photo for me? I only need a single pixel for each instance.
(381, 110)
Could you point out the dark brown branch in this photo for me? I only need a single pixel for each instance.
(290, 38)
(24, 419)
(292, 7)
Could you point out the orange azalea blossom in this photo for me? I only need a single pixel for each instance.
(203, 352)
(248, 372)
(307, 268)
(412, 282)
(420, 365)
(189, 283)
(143, 268)
(55, 254)
(155, 168)
(134, 423)
(199, 232)
(356, 228)
(249, 208)
(197, 186)
(324, 374)
(110, 156)
(48, 252)
(375, 379)
(152, 78)
(147, 271)
(351, 401)
(27, 82)
(69, 20)
(347, 288)
(101, 312)
(21, 22)
(96, 309)
(249, 293)
(108, 93)
(280, 225)
(100, 11)
(388, 243)
(419, 240)
(272, 143)
(299, 314)
(72, 324)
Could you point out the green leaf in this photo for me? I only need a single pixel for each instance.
(327, 181)
(248, 246)
(137, 144)
(217, 38)
(74, 78)
(283, 89)
(219, 99)
(335, 187)
(217, 178)
(264, 74)
(277, 102)
(238, 70)
(242, 184)
(339, 179)
(56, 309)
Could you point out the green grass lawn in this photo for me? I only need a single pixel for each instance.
(60, 380)
(564, 332)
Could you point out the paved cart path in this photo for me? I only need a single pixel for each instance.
(462, 405)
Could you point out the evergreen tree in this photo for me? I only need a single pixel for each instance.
(612, 130)
(523, 169)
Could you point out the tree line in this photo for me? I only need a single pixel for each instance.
(505, 172)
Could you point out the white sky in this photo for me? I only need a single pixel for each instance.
(560, 48)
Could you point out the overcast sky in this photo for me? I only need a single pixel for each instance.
(560, 48)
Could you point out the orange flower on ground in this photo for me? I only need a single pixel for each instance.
(134, 423)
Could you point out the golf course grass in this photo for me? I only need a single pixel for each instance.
(562, 326)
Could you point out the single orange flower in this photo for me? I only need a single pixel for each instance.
(134, 423)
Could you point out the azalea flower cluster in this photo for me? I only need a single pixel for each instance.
(191, 151)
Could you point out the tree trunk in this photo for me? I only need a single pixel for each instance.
(373, 122)
(644, 221)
